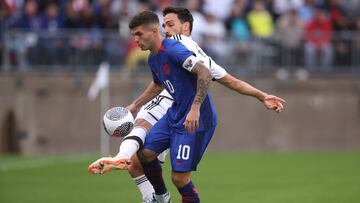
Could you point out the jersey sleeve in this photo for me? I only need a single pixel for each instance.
(217, 71)
(182, 56)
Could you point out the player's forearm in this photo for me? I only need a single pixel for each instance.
(150, 92)
(242, 87)
(203, 82)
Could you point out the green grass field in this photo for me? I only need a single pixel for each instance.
(332, 177)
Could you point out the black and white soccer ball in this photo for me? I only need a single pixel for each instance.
(118, 122)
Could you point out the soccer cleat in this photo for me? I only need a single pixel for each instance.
(153, 200)
(106, 164)
(165, 198)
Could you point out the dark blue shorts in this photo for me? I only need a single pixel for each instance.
(186, 149)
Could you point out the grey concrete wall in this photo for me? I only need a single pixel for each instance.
(53, 114)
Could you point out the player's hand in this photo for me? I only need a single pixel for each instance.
(133, 109)
(273, 102)
(192, 120)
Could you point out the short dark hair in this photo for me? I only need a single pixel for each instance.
(144, 18)
(183, 14)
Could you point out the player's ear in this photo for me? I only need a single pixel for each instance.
(186, 26)
(155, 28)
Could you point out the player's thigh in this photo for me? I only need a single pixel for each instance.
(148, 116)
(186, 149)
(154, 110)
(158, 138)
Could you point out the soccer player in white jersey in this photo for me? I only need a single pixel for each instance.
(177, 23)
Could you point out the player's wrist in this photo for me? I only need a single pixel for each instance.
(195, 107)
(262, 97)
(136, 105)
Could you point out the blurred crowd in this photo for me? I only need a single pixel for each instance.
(310, 33)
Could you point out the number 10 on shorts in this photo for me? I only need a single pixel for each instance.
(183, 152)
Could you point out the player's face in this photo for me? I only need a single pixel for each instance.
(172, 25)
(143, 36)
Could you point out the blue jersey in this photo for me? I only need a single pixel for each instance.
(171, 68)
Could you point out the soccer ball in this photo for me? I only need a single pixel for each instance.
(118, 122)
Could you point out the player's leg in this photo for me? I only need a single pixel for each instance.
(157, 141)
(135, 140)
(185, 187)
(186, 152)
(137, 173)
(147, 117)
(128, 147)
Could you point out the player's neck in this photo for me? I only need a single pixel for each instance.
(157, 44)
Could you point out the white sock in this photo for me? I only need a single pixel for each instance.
(145, 187)
(130, 146)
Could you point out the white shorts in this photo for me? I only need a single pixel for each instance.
(154, 111)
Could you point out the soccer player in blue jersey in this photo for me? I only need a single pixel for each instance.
(189, 124)
(176, 21)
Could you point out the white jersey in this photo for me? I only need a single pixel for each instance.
(216, 70)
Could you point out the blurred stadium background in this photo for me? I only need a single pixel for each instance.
(306, 51)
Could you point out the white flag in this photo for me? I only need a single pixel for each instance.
(100, 82)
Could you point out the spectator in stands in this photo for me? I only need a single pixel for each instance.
(25, 44)
(51, 44)
(306, 11)
(261, 24)
(260, 21)
(356, 45)
(5, 16)
(352, 7)
(237, 24)
(52, 21)
(199, 25)
(282, 7)
(221, 9)
(341, 26)
(30, 18)
(103, 15)
(215, 37)
(289, 35)
(318, 39)
(72, 17)
(86, 43)
(239, 31)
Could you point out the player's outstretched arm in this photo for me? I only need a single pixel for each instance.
(270, 101)
(150, 93)
(204, 77)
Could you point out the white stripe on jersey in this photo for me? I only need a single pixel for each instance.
(216, 70)
(165, 93)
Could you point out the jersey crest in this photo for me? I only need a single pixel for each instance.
(189, 64)
(166, 69)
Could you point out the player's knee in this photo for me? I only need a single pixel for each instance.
(180, 179)
(146, 156)
(136, 169)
